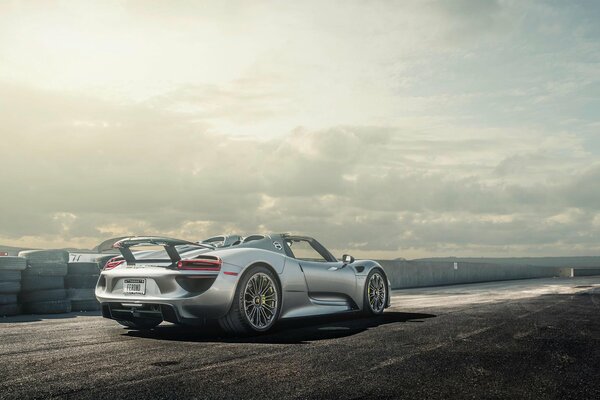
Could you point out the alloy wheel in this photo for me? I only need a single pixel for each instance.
(260, 301)
(376, 293)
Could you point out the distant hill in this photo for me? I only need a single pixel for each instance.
(573, 262)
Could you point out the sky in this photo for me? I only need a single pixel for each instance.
(384, 128)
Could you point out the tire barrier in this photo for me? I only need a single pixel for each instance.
(43, 282)
(45, 269)
(31, 283)
(6, 275)
(48, 307)
(83, 268)
(9, 310)
(12, 263)
(81, 283)
(8, 299)
(45, 256)
(10, 284)
(44, 295)
(10, 287)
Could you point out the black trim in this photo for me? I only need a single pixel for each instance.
(172, 252)
(156, 311)
(168, 313)
(318, 247)
(286, 248)
(127, 255)
(168, 243)
(155, 240)
(106, 311)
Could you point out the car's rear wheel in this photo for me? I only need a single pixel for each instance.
(256, 305)
(375, 295)
(140, 323)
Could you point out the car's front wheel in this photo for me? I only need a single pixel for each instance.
(256, 305)
(375, 293)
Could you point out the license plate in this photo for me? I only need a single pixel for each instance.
(134, 286)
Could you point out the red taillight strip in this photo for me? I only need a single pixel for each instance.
(200, 264)
(112, 263)
(212, 276)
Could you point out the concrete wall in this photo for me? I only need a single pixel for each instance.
(563, 262)
(586, 271)
(410, 274)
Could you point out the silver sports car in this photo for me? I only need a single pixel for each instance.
(246, 283)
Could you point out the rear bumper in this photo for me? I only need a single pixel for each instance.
(161, 312)
(171, 295)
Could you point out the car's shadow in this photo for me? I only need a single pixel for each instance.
(43, 317)
(286, 332)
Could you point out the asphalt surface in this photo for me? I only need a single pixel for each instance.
(527, 339)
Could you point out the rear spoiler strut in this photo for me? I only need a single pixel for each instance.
(168, 243)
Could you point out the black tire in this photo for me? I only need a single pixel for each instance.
(12, 263)
(367, 310)
(46, 269)
(143, 324)
(81, 294)
(48, 307)
(8, 299)
(236, 322)
(9, 310)
(10, 287)
(83, 268)
(45, 256)
(6, 275)
(81, 281)
(31, 283)
(85, 305)
(43, 295)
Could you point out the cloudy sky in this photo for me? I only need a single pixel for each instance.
(383, 128)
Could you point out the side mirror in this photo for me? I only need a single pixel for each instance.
(347, 259)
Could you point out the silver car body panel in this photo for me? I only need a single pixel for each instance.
(309, 288)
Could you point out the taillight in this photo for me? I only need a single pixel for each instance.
(200, 264)
(112, 263)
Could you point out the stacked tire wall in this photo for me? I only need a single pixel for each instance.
(10, 284)
(43, 282)
(81, 283)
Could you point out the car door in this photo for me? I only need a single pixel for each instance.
(326, 278)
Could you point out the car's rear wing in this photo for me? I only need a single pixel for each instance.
(169, 244)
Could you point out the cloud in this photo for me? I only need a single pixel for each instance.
(396, 128)
(83, 170)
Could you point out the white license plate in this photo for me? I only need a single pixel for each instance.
(134, 286)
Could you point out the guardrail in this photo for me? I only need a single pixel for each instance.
(411, 274)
